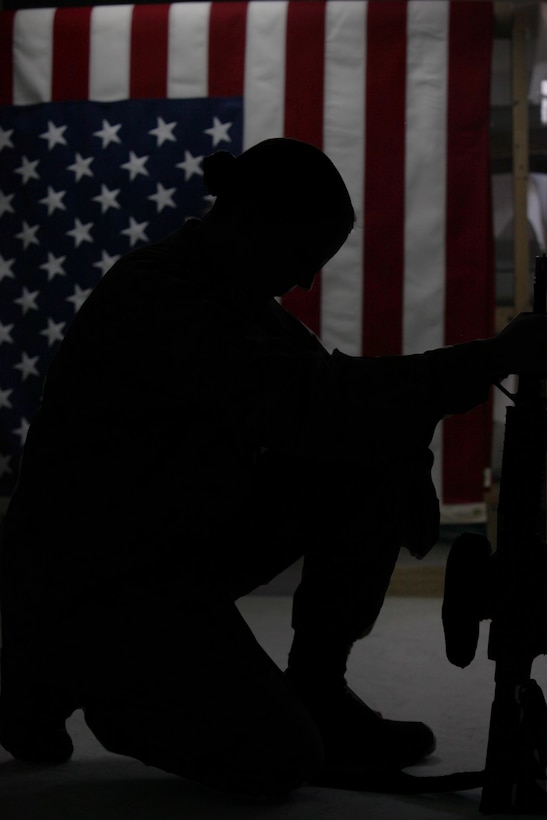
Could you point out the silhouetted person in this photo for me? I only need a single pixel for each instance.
(193, 441)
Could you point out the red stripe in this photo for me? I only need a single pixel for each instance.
(305, 71)
(304, 87)
(470, 296)
(6, 57)
(70, 70)
(384, 196)
(149, 44)
(227, 28)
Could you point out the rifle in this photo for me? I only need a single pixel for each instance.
(509, 587)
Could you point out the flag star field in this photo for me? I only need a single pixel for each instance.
(81, 185)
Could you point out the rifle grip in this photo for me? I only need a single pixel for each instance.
(465, 596)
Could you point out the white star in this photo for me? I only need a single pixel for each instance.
(80, 232)
(53, 266)
(81, 167)
(27, 366)
(5, 138)
(53, 332)
(107, 198)
(164, 131)
(5, 203)
(28, 300)
(54, 135)
(5, 333)
(106, 262)
(22, 430)
(219, 131)
(135, 165)
(162, 197)
(28, 235)
(53, 200)
(27, 169)
(108, 133)
(136, 231)
(78, 297)
(4, 465)
(190, 166)
(5, 268)
(5, 398)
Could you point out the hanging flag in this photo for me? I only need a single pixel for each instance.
(106, 113)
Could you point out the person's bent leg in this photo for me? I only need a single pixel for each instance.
(348, 564)
(207, 703)
(344, 582)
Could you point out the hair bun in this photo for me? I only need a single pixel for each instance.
(218, 171)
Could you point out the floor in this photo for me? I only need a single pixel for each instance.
(400, 669)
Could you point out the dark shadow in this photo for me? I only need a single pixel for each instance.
(82, 790)
(70, 795)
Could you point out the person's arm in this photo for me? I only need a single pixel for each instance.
(389, 406)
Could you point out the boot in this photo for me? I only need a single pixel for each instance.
(355, 736)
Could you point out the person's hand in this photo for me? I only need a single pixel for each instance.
(521, 347)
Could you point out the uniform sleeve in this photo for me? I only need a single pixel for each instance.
(388, 407)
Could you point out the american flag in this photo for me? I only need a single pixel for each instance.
(107, 111)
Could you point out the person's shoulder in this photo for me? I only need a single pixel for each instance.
(164, 258)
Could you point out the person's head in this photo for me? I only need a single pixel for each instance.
(282, 210)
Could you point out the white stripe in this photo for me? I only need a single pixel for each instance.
(264, 91)
(187, 62)
(425, 175)
(344, 143)
(110, 46)
(425, 186)
(32, 56)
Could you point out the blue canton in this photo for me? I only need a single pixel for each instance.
(81, 184)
